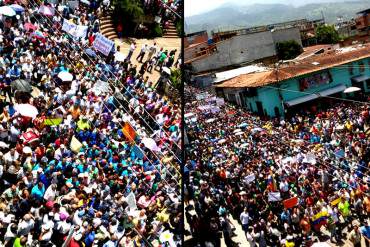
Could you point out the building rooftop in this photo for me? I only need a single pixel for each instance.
(309, 62)
(366, 11)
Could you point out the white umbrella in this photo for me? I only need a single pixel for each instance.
(27, 150)
(237, 130)
(8, 11)
(4, 145)
(166, 70)
(351, 89)
(222, 141)
(321, 244)
(210, 120)
(27, 110)
(85, 2)
(188, 115)
(65, 76)
(46, 10)
(119, 57)
(150, 143)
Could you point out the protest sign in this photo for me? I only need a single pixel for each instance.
(75, 145)
(289, 203)
(76, 31)
(53, 121)
(249, 179)
(131, 201)
(274, 197)
(103, 44)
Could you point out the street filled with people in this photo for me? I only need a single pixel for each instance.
(89, 149)
(286, 182)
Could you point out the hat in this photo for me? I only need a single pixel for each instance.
(49, 204)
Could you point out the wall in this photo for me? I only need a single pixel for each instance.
(245, 48)
(287, 34)
(197, 38)
(191, 52)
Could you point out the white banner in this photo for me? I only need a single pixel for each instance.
(68, 26)
(274, 197)
(76, 31)
(103, 44)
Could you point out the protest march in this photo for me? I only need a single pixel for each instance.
(284, 182)
(89, 150)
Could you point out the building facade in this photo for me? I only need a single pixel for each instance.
(243, 49)
(282, 96)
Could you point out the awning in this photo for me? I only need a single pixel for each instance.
(360, 78)
(333, 90)
(300, 100)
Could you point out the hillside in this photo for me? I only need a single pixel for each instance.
(234, 16)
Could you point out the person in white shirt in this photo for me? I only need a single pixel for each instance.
(132, 48)
(142, 53)
(244, 219)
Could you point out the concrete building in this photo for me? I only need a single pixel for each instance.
(363, 22)
(302, 83)
(242, 49)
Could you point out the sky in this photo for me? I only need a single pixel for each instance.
(194, 7)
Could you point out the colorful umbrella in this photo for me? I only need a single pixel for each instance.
(29, 137)
(8, 11)
(38, 35)
(29, 26)
(46, 10)
(17, 8)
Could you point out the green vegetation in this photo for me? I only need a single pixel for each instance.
(157, 31)
(176, 79)
(288, 49)
(129, 13)
(326, 34)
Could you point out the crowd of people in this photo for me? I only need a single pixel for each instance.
(88, 161)
(287, 182)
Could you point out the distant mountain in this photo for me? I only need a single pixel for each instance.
(234, 16)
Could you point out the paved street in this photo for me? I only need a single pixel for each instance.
(166, 43)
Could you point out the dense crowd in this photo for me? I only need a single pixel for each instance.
(288, 182)
(97, 163)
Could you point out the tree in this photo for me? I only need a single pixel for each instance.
(130, 9)
(175, 78)
(326, 34)
(128, 13)
(288, 49)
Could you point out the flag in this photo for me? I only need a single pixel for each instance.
(129, 132)
(289, 203)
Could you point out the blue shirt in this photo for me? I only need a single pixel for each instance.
(365, 230)
(37, 192)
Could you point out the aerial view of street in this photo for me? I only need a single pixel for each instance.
(90, 123)
(277, 117)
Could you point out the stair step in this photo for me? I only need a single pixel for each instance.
(105, 25)
(109, 33)
(107, 29)
(106, 21)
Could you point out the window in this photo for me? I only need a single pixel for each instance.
(362, 66)
(350, 69)
(368, 83)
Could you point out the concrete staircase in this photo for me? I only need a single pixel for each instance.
(171, 31)
(106, 25)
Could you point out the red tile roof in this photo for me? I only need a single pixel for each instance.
(305, 66)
